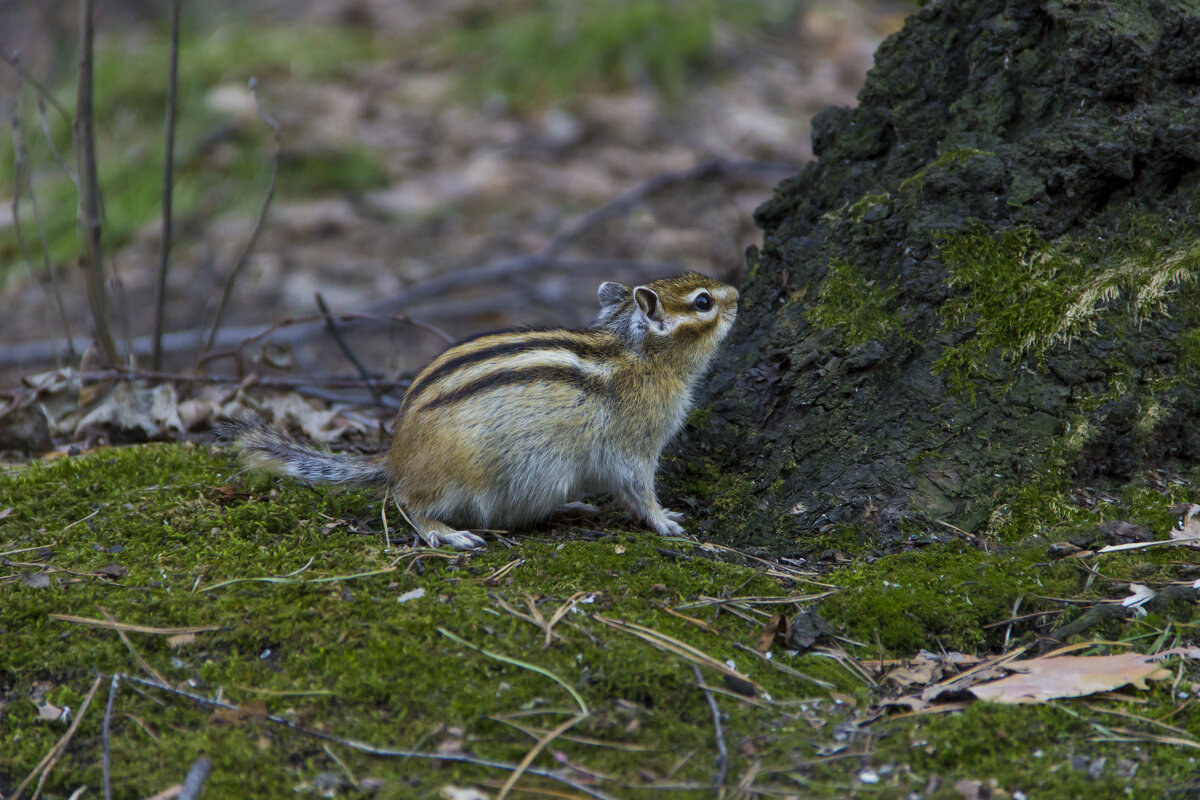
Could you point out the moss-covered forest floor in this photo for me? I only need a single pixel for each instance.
(297, 637)
(292, 602)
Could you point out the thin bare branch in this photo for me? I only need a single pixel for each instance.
(168, 186)
(384, 752)
(21, 169)
(14, 60)
(345, 348)
(236, 271)
(88, 221)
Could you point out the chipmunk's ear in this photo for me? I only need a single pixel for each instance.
(648, 302)
(612, 294)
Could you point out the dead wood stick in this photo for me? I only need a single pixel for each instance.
(363, 747)
(236, 270)
(168, 186)
(88, 216)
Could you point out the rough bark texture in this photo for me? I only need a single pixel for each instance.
(986, 281)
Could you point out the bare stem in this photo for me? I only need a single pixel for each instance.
(21, 168)
(168, 186)
(88, 220)
(258, 224)
(332, 327)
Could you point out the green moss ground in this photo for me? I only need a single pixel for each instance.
(344, 656)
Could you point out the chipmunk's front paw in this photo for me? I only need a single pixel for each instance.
(667, 524)
(439, 534)
(459, 540)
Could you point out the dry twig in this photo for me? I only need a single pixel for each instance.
(89, 189)
(168, 186)
(21, 168)
(236, 270)
(345, 348)
(363, 747)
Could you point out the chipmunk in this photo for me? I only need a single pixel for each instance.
(503, 428)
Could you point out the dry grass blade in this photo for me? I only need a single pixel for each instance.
(149, 670)
(1126, 735)
(755, 600)
(112, 624)
(533, 753)
(673, 645)
(537, 733)
(583, 706)
(785, 669)
(1116, 711)
(47, 763)
(499, 575)
(699, 623)
(26, 549)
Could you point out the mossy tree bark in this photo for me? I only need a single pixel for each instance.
(985, 283)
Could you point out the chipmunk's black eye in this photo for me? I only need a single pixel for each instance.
(704, 301)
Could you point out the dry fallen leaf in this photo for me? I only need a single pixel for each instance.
(777, 624)
(1041, 679)
(922, 671)
(51, 712)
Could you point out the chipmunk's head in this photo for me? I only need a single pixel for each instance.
(688, 314)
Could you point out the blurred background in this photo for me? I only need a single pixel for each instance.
(418, 140)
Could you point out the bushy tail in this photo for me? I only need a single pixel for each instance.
(269, 449)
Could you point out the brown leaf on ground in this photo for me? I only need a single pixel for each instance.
(1041, 679)
(777, 625)
(922, 671)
